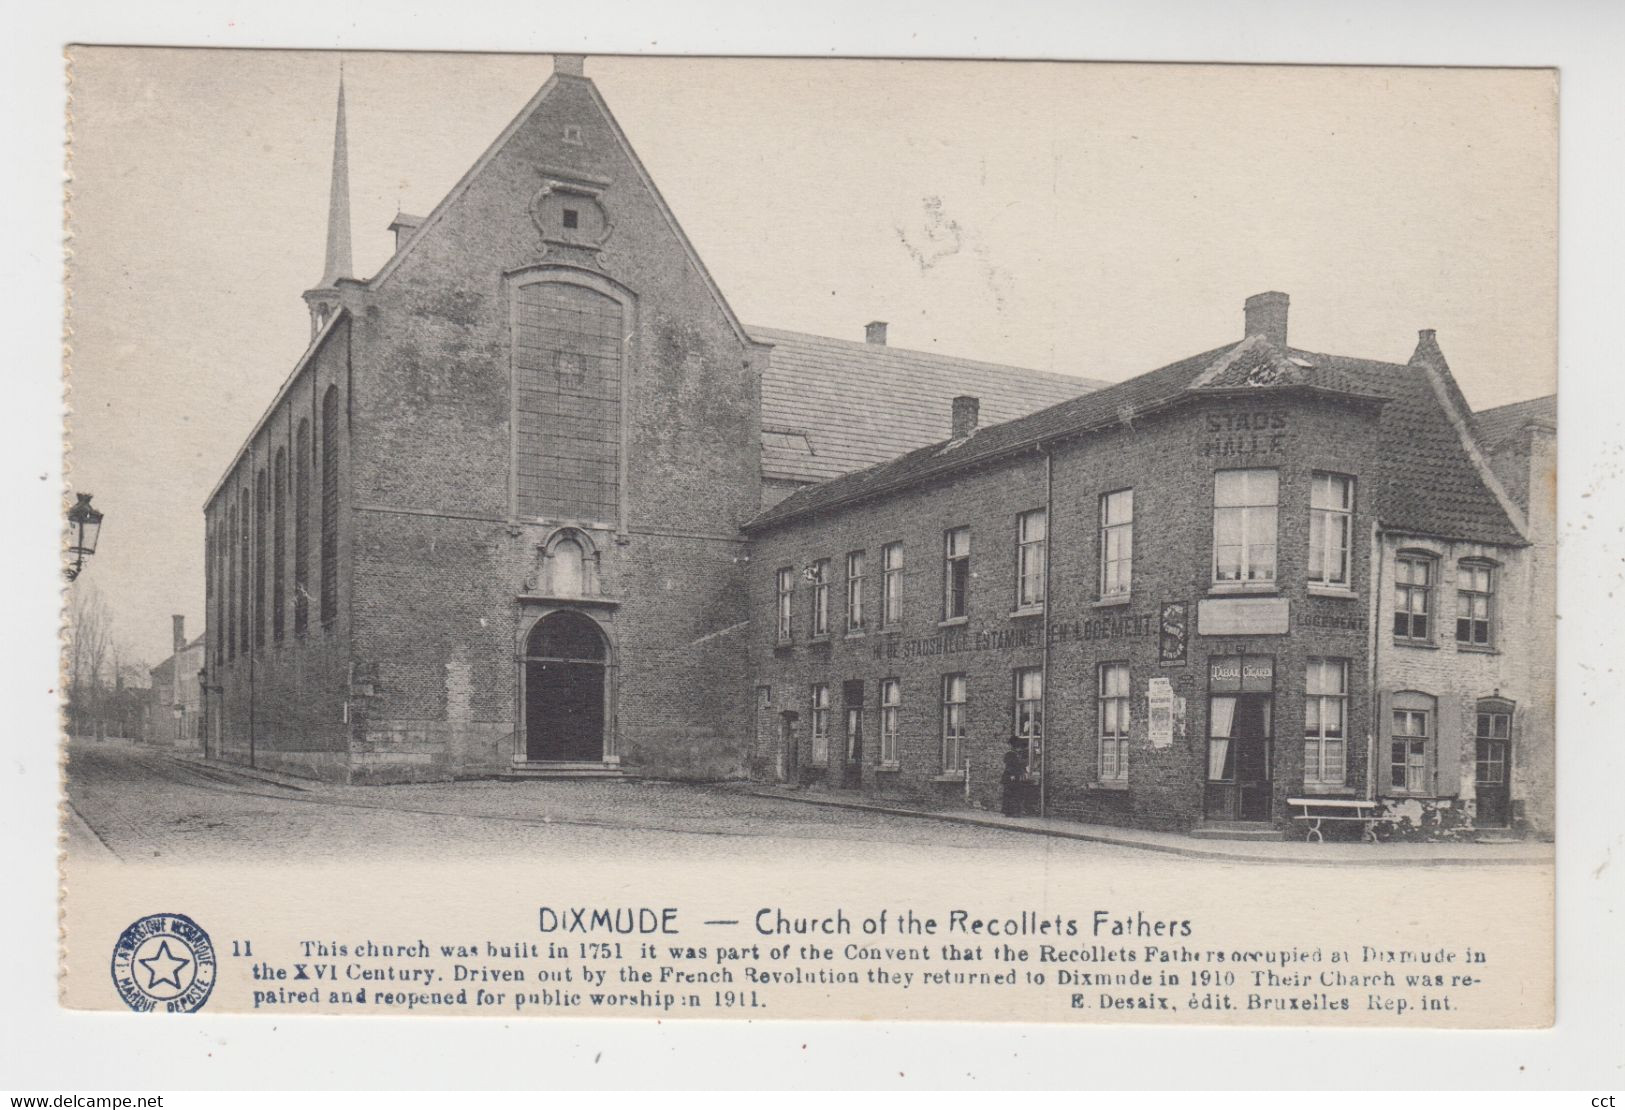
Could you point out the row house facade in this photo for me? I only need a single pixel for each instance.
(1256, 575)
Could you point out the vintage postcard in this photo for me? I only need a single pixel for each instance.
(562, 536)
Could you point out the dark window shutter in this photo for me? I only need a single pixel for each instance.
(1447, 760)
(1382, 775)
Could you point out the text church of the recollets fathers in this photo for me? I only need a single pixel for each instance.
(527, 502)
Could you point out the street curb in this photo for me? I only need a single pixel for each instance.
(1167, 849)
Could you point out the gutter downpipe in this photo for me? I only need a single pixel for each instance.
(1373, 695)
(1043, 669)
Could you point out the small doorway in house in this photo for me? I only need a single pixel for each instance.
(1241, 730)
(852, 749)
(787, 767)
(566, 689)
(1492, 764)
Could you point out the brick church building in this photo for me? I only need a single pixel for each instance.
(490, 523)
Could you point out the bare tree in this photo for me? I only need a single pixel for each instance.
(90, 636)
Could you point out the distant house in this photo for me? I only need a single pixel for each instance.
(175, 702)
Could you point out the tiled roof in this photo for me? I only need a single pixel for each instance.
(1108, 405)
(1494, 426)
(832, 406)
(1428, 484)
(1426, 481)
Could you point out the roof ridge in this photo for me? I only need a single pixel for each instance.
(882, 349)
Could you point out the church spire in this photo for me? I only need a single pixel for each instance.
(324, 299)
(338, 210)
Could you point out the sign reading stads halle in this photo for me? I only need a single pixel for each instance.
(581, 568)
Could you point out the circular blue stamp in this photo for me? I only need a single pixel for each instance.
(164, 962)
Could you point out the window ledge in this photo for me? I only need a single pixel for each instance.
(1112, 602)
(1027, 611)
(1233, 588)
(1317, 590)
(1475, 649)
(889, 765)
(949, 776)
(1116, 785)
(856, 634)
(1425, 645)
(952, 622)
(895, 626)
(820, 639)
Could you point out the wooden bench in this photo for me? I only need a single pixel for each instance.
(1316, 810)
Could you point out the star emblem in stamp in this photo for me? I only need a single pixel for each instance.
(164, 962)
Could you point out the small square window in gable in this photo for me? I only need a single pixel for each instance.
(572, 135)
(572, 218)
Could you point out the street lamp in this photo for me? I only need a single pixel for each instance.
(84, 524)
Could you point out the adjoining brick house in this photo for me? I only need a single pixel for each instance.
(175, 709)
(1179, 595)
(491, 521)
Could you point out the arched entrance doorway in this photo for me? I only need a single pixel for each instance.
(566, 689)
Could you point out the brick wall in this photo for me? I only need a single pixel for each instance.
(1169, 461)
(443, 562)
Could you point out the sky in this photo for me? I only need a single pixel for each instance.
(1094, 219)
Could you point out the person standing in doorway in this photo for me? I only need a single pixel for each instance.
(1014, 778)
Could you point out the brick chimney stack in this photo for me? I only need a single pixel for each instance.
(1266, 316)
(179, 623)
(875, 332)
(967, 411)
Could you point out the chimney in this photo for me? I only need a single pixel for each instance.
(1266, 316)
(1427, 351)
(570, 65)
(403, 226)
(180, 632)
(875, 332)
(966, 411)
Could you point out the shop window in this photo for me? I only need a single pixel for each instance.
(891, 704)
(820, 724)
(1331, 527)
(1112, 711)
(818, 575)
(891, 585)
(1244, 526)
(1413, 597)
(1029, 722)
(1414, 718)
(1032, 532)
(786, 583)
(854, 592)
(956, 573)
(1475, 601)
(953, 722)
(1116, 543)
(1325, 722)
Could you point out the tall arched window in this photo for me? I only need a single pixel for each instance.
(261, 497)
(301, 528)
(330, 504)
(245, 507)
(230, 601)
(568, 362)
(279, 536)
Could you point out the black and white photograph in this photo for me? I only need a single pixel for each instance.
(791, 541)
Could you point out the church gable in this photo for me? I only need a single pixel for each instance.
(560, 187)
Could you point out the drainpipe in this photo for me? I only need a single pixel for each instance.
(1373, 695)
(1043, 668)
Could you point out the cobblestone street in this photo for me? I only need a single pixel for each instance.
(141, 803)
